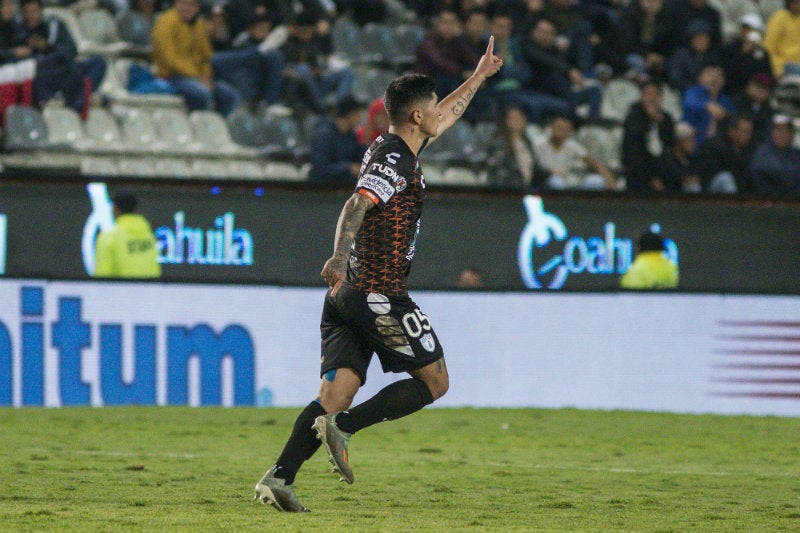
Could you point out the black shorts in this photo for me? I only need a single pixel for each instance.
(357, 324)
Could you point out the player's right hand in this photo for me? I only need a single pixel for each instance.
(334, 273)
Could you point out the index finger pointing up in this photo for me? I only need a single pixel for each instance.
(490, 47)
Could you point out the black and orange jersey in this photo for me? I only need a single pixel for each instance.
(390, 176)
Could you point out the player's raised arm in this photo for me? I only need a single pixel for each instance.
(452, 107)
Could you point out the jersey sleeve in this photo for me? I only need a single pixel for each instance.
(384, 174)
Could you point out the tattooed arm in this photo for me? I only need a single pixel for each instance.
(452, 107)
(350, 221)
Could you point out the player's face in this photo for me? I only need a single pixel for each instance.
(430, 117)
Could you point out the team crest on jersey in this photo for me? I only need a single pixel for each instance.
(401, 184)
(428, 342)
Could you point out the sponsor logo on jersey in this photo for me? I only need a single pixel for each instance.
(399, 181)
(378, 186)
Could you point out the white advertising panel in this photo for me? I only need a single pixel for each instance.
(104, 343)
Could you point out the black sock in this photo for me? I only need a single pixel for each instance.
(394, 401)
(301, 445)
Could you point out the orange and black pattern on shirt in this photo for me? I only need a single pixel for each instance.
(384, 246)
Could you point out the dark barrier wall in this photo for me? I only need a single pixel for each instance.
(284, 236)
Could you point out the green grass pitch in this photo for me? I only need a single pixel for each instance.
(440, 470)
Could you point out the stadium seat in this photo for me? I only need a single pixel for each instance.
(618, 96)
(115, 87)
(284, 140)
(534, 130)
(484, 132)
(282, 171)
(245, 129)
(210, 168)
(600, 143)
(456, 146)
(461, 176)
(100, 30)
(211, 132)
(134, 29)
(244, 169)
(407, 38)
(64, 127)
(370, 82)
(95, 166)
(378, 41)
(25, 129)
(671, 102)
(433, 173)
(173, 167)
(139, 167)
(346, 38)
(139, 133)
(175, 132)
(103, 131)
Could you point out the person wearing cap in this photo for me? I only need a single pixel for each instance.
(776, 163)
(686, 63)
(782, 39)
(743, 57)
(335, 151)
(651, 269)
(127, 250)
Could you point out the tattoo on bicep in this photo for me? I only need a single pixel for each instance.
(441, 367)
(461, 103)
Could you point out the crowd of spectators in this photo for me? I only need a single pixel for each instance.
(279, 57)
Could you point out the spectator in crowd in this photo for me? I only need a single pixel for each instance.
(377, 122)
(7, 12)
(448, 59)
(649, 131)
(511, 86)
(683, 12)
(646, 39)
(469, 278)
(573, 32)
(723, 161)
(136, 24)
(255, 72)
(128, 250)
(553, 74)
(58, 73)
(510, 160)
(217, 27)
(651, 269)
(705, 105)
(566, 163)
(534, 10)
(776, 163)
(782, 39)
(678, 170)
(335, 152)
(755, 101)
(687, 61)
(476, 30)
(182, 56)
(744, 56)
(308, 62)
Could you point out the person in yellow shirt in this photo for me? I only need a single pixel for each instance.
(782, 39)
(182, 56)
(128, 250)
(651, 269)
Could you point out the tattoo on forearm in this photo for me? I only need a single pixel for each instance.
(440, 366)
(349, 223)
(462, 102)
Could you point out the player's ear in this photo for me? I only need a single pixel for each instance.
(416, 116)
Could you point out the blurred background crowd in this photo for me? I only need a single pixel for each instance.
(645, 96)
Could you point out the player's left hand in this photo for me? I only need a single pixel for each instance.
(489, 64)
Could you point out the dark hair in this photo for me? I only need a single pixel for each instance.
(125, 202)
(404, 93)
(650, 241)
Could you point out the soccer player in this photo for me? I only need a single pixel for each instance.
(367, 308)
